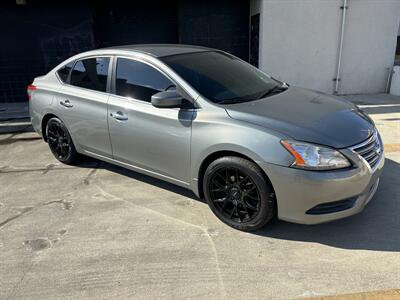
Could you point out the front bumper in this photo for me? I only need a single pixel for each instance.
(298, 191)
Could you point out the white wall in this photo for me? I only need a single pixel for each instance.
(369, 45)
(299, 42)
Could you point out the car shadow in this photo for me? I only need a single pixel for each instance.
(90, 162)
(377, 227)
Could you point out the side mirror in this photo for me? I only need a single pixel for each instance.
(167, 99)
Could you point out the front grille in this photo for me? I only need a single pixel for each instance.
(370, 150)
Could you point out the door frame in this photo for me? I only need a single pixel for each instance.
(181, 90)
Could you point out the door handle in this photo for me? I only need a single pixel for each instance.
(66, 103)
(119, 116)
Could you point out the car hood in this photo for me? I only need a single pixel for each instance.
(308, 116)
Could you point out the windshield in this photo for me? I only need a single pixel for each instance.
(223, 78)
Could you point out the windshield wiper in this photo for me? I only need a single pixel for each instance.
(275, 90)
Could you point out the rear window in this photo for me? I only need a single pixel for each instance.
(91, 73)
(63, 73)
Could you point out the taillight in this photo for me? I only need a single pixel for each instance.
(30, 90)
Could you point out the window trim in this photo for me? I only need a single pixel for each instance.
(110, 90)
(186, 94)
(109, 72)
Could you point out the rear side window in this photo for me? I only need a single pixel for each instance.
(91, 73)
(63, 73)
(138, 80)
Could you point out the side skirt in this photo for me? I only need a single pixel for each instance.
(138, 169)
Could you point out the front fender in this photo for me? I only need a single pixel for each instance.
(226, 134)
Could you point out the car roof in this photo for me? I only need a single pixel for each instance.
(161, 50)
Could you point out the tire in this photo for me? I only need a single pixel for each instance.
(233, 183)
(60, 142)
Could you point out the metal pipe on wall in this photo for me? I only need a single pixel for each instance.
(339, 61)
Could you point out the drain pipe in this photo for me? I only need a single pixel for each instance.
(339, 61)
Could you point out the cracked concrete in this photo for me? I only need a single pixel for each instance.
(100, 231)
(28, 209)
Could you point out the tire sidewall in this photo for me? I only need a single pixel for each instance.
(72, 151)
(252, 170)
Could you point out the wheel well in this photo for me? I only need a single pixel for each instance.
(214, 156)
(45, 119)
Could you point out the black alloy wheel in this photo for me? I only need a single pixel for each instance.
(60, 141)
(238, 194)
(234, 194)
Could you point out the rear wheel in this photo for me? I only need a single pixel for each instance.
(238, 194)
(60, 141)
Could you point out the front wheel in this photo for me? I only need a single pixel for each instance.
(238, 193)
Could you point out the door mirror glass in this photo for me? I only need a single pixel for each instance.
(167, 99)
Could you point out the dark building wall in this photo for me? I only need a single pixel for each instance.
(139, 22)
(37, 36)
(220, 24)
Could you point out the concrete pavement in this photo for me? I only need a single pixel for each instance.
(100, 231)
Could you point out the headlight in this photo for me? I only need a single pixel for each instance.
(315, 157)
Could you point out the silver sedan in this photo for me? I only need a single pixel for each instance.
(252, 146)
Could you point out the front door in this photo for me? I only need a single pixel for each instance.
(142, 135)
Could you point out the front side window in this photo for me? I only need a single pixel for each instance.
(138, 80)
(91, 73)
(222, 78)
(63, 73)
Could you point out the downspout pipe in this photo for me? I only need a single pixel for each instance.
(339, 61)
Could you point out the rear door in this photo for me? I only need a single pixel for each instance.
(82, 104)
(142, 135)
